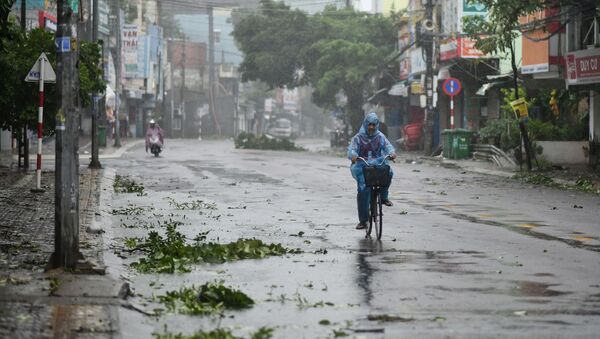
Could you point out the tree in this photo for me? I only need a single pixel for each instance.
(5, 6)
(90, 72)
(18, 102)
(336, 51)
(497, 32)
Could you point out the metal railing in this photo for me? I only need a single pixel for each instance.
(493, 154)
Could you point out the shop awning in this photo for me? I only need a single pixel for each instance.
(496, 81)
(399, 89)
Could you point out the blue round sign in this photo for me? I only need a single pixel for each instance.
(452, 86)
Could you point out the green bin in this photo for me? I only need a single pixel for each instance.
(447, 136)
(461, 144)
(102, 136)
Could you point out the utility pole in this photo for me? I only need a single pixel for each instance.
(118, 89)
(522, 128)
(25, 139)
(212, 110)
(95, 163)
(66, 236)
(182, 104)
(429, 49)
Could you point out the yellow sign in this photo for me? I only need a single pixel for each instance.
(519, 106)
(416, 88)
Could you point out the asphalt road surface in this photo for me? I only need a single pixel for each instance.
(463, 255)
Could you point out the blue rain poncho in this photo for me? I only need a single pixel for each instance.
(373, 148)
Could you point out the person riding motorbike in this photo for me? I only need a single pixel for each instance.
(370, 144)
(154, 130)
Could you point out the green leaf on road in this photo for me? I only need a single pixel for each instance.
(210, 298)
(172, 253)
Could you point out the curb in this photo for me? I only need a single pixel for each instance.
(117, 154)
(472, 169)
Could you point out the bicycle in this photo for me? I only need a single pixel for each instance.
(376, 177)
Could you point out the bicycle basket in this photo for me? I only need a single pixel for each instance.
(377, 176)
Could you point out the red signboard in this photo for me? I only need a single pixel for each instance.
(467, 49)
(583, 67)
(448, 50)
(47, 21)
(459, 48)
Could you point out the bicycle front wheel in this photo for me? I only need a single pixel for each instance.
(379, 221)
(372, 214)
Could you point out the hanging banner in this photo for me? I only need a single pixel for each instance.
(129, 46)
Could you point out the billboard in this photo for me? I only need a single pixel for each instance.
(47, 21)
(459, 47)
(103, 15)
(540, 52)
(417, 62)
(129, 48)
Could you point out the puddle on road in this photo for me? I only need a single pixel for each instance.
(535, 289)
(524, 227)
(528, 289)
(231, 173)
(448, 262)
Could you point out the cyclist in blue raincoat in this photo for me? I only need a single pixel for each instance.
(371, 145)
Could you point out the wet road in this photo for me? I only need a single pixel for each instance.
(462, 255)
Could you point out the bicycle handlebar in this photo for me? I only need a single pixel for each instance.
(382, 161)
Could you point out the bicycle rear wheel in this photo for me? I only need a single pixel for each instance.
(379, 221)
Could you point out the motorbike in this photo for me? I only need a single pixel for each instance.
(155, 145)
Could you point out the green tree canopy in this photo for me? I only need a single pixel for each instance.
(335, 51)
(19, 99)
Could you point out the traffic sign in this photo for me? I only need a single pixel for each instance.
(452, 87)
(34, 73)
(63, 44)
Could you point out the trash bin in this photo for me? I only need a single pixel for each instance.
(447, 136)
(102, 136)
(461, 143)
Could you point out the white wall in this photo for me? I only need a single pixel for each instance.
(565, 152)
(5, 140)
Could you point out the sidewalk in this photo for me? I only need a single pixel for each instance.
(10, 159)
(568, 176)
(52, 304)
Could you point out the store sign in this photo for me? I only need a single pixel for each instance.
(449, 50)
(129, 46)
(103, 13)
(460, 48)
(540, 53)
(473, 7)
(47, 21)
(467, 49)
(417, 62)
(583, 67)
(404, 68)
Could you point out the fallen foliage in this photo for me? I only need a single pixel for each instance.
(172, 253)
(264, 142)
